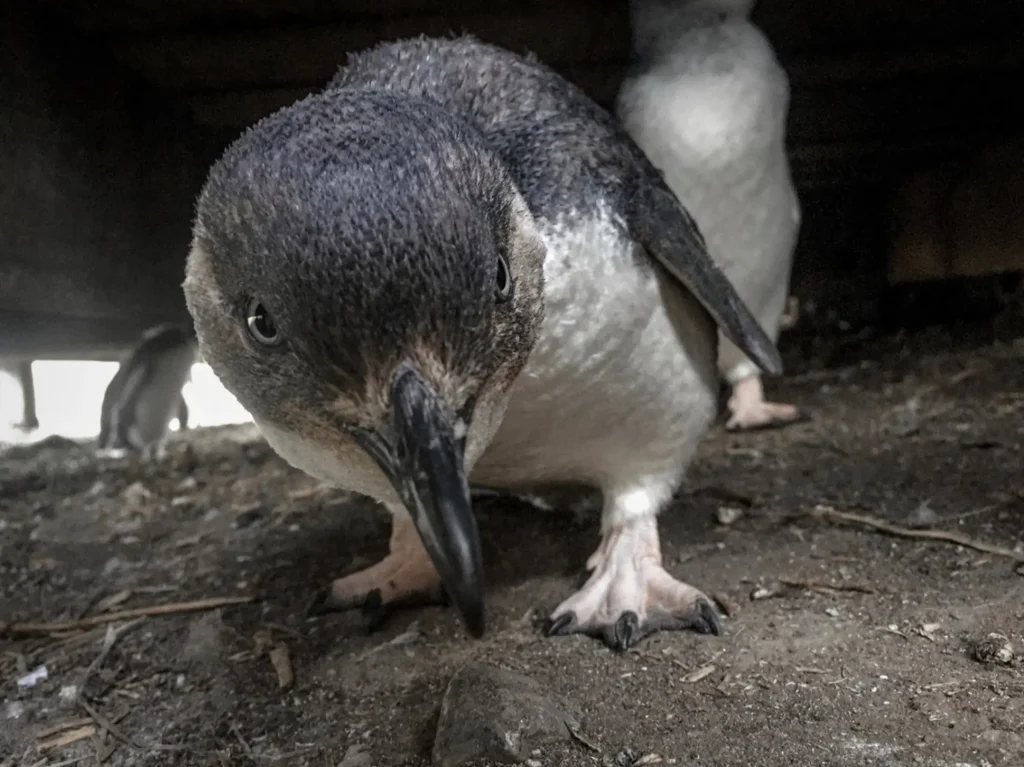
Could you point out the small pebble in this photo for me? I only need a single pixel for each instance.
(922, 516)
(728, 515)
(33, 677)
(763, 592)
(136, 493)
(355, 756)
(995, 648)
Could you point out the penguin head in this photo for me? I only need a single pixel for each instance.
(656, 25)
(363, 269)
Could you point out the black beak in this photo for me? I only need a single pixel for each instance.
(425, 466)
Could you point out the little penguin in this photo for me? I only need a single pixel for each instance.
(707, 101)
(145, 393)
(451, 266)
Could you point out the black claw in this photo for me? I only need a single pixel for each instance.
(626, 631)
(323, 603)
(375, 612)
(706, 620)
(560, 625)
(443, 599)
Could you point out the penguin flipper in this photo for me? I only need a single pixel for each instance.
(666, 230)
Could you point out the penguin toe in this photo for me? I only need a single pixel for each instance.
(621, 612)
(627, 631)
(562, 625)
(760, 416)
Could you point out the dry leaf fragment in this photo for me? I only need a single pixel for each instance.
(282, 663)
(725, 603)
(265, 644)
(649, 759)
(699, 673)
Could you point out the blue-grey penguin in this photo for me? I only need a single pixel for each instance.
(707, 101)
(451, 265)
(144, 395)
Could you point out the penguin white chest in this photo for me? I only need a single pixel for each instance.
(621, 381)
(157, 401)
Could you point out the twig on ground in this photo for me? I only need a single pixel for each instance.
(68, 724)
(67, 737)
(577, 735)
(66, 762)
(822, 586)
(114, 633)
(29, 628)
(238, 734)
(829, 514)
(114, 730)
(107, 744)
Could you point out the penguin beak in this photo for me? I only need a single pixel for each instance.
(425, 465)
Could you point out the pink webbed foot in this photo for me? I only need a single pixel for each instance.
(404, 578)
(749, 410)
(629, 595)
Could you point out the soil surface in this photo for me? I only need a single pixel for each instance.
(875, 653)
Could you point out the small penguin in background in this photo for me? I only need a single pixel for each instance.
(145, 394)
(707, 102)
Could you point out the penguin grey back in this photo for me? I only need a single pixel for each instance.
(557, 144)
(564, 153)
(145, 392)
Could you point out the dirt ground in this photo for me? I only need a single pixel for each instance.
(873, 660)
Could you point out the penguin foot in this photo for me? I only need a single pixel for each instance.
(153, 453)
(749, 410)
(629, 595)
(404, 578)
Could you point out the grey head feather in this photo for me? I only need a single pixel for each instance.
(368, 223)
(564, 153)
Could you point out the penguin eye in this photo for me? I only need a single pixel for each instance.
(261, 324)
(503, 288)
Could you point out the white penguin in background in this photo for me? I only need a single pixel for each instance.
(707, 102)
